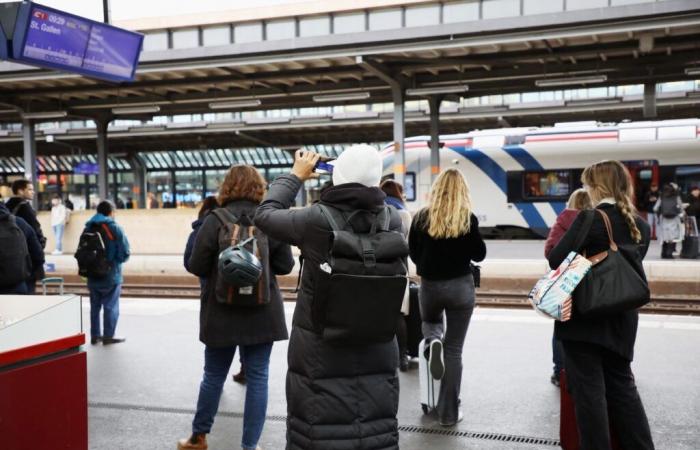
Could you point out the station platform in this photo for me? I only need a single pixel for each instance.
(505, 259)
(142, 394)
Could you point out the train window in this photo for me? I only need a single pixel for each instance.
(409, 186)
(548, 184)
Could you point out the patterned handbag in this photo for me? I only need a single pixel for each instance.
(551, 295)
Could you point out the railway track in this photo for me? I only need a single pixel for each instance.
(683, 305)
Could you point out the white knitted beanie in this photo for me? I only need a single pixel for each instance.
(359, 163)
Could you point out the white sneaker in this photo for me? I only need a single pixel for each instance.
(436, 361)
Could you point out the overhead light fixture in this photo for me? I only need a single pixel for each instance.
(551, 82)
(692, 71)
(45, 115)
(458, 89)
(341, 97)
(233, 104)
(136, 110)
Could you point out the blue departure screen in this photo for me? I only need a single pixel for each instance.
(56, 39)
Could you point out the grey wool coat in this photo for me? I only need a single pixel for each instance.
(338, 397)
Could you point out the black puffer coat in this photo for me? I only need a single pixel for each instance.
(222, 325)
(338, 397)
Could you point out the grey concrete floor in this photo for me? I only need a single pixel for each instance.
(142, 393)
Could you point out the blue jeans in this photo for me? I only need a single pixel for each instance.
(217, 362)
(107, 297)
(58, 233)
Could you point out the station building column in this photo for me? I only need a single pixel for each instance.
(434, 102)
(29, 145)
(140, 180)
(103, 168)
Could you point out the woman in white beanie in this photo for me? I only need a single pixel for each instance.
(338, 396)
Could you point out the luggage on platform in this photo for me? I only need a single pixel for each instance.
(414, 322)
(691, 243)
(568, 432)
(429, 386)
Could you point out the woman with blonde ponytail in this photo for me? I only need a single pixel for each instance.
(443, 240)
(598, 350)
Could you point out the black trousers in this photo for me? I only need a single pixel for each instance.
(605, 394)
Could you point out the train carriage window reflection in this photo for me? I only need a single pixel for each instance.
(409, 188)
(548, 184)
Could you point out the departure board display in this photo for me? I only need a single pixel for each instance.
(50, 38)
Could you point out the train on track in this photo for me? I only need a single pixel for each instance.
(521, 178)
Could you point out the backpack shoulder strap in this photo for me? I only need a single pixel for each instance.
(326, 212)
(15, 210)
(384, 218)
(225, 216)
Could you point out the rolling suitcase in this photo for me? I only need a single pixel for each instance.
(568, 432)
(429, 386)
(413, 321)
(691, 247)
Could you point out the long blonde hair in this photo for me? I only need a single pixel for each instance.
(611, 179)
(449, 213)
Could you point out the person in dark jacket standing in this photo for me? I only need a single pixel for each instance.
(598, 351)
(693, 209)
(224, 328)
(20, 206)
(579, 200)
(209, 204)
(444, 239)
(338, 397)
(394, 197)
(650, 199)
(105, 291)
(669, 209)
(36, 253)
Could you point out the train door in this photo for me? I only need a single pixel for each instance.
(644, 174)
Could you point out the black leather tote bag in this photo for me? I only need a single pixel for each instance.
(612, 285)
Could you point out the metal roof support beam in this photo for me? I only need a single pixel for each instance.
(29, 145)
(250, 138)
(397, 83)
(434, 102)
(102, 150)
(650, 100)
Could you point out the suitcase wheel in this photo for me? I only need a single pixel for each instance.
(425, 409)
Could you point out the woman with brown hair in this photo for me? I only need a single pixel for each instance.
(224, 327)
(598, 350)
(443, 240)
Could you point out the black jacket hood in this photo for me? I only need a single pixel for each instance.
(353, 196)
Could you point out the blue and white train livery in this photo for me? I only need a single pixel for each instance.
(521, 178)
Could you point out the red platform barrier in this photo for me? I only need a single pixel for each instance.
(43, 404)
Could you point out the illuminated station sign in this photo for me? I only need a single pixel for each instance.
(54, 39)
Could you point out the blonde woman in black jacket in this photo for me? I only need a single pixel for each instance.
(598, 351)
(443, 240)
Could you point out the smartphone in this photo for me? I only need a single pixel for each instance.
(323, 167)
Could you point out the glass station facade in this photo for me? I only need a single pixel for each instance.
(175, 179)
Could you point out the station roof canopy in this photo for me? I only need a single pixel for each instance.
(636, 44)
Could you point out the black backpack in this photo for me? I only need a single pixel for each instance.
(359, 289)
(15, 262)
(670, 207)
(92, 251)
(236, 230)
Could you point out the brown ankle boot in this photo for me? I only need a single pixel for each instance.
(194, 442)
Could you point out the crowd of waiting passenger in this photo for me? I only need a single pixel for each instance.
(348, 335)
